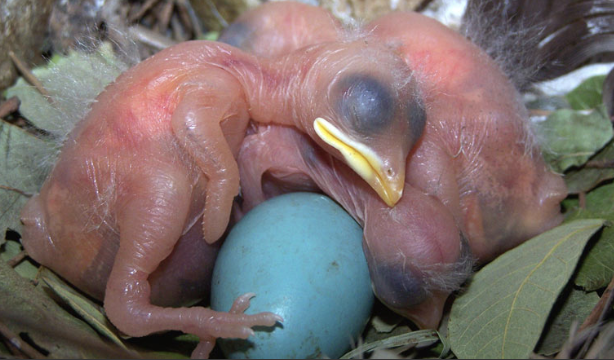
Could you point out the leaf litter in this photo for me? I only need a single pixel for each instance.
(576, 306)
(597, 268)
(29, 311)
(20, 175)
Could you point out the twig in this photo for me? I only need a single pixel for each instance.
(164, 16)
(600, 164)
(178, 30)
(17, 258)
(188, 17)
(602, 347)
(146, 36)
(23, 346)
(198, 29)
(596, 317)
(217, 14)
(184, 17)
(30, 129)
(603, 305)
(13, 350)
(9, 106)
(21, 192)
(148, 5)
(27, 74)
(582, 199)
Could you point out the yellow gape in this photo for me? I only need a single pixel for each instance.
(363, 161)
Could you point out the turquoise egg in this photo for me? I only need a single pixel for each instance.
(301, 254)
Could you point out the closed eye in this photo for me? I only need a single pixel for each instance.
(365, 104)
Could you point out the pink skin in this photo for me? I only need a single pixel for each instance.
(475, 169)
(156, 154)
(403, 245)
(258, 31)
(477, 154)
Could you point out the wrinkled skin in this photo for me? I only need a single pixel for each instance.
(403, 245)
(151, 170)
(277, 28)
(476, 184)
(477, 154)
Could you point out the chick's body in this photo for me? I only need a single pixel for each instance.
(120, 214)
(475, 186)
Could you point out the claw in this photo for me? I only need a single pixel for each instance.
(241, 303)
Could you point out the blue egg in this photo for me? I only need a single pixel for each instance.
(301, 254)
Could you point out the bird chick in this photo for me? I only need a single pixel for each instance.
(475, 186)
(151, 169)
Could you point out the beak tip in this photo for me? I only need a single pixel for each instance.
(391, 199)
(364, 161)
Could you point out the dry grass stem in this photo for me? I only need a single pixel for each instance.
(151, 38)
(27, 74)
(602, 308)
(164, 16)
(600, 164)
(146, 6)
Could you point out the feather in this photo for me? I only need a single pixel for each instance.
(543, 39)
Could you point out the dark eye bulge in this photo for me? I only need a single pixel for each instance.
(365, 103)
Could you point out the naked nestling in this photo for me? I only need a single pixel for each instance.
(476, 184)
(151, 171)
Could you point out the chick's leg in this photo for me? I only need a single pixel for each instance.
(150, 223)
(205, 345)
(215, 99)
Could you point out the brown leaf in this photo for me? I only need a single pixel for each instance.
(26, 310)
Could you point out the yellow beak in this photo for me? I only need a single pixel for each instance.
(364, 161)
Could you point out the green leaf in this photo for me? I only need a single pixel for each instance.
(576, 306)
(597, 268)
(25, 268)
(571, 137)
(35, 107)
(585, 179)
(87, 309)
(503, 311)
(211, 36)
(20, 155)
(549, 103)
(73, 82)
(28, 310)
(588, 94)
(601, 200)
